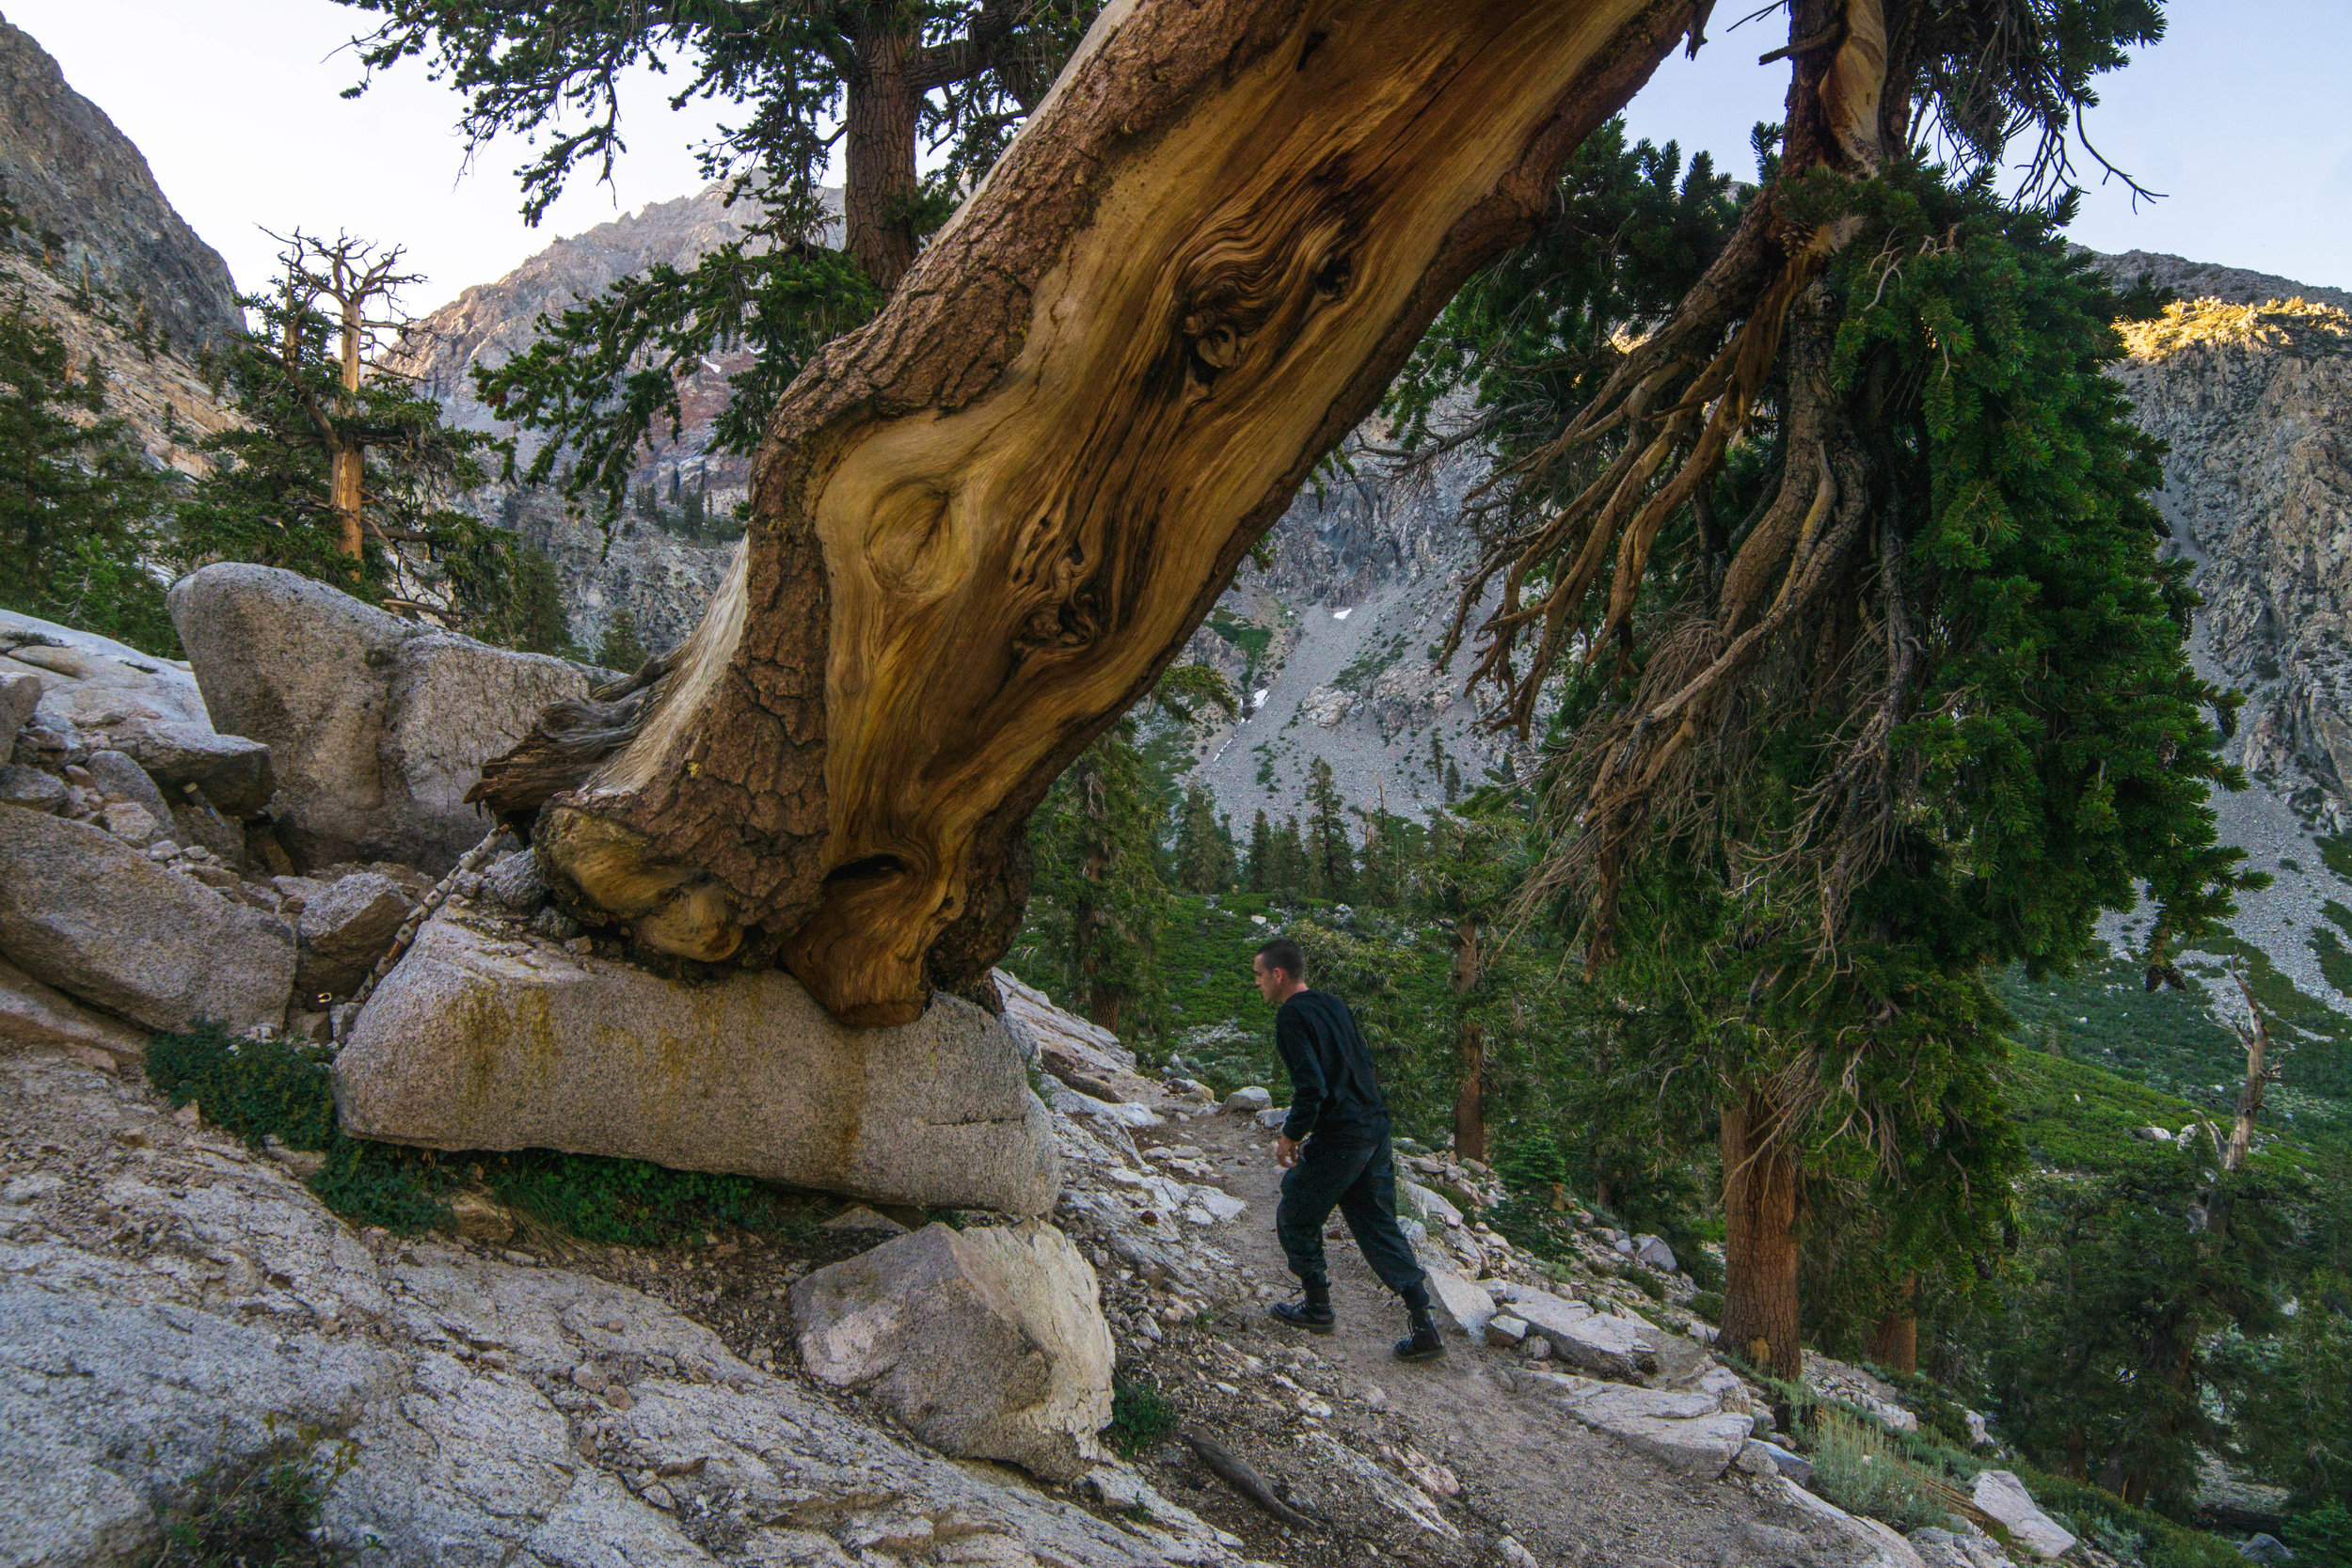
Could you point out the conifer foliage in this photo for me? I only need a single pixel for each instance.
(1883, 682)
(873, 80)
(79, 503)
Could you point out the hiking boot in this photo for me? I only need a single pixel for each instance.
(1422, 1343)
(1312, 1311)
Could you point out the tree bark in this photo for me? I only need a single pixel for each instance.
(1760, 1237)
(984, 523)
(1894, 1342)
(878, 131)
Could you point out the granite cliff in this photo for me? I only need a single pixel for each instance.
(89, 204)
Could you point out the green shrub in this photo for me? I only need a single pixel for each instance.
(630, 1202)
(1708, 1305)
(2320, 1538)
(277, 1087)
(1140, 1416)
(1856, 1466)
(2094, 1514)
(252, 1087)
(263, 1514)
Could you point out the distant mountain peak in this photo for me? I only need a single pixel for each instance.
(87, 196)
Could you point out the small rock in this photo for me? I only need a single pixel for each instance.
(1248, 1102)
(1773, 1458)
(514, 882)
(862, 1218)
(116, 777)
(1506, 1332)
(1272, 1119)
(345, 926)
(659, 1495)
(31, 788)
(233, 772)
(133, 824)
(555, 924)
(1536, 1348)
(989, 1343)
(19, 694)
(1656, 1253)
(301, 1163)
(480, 1218)
(1516, 1555)
(2264, 1548)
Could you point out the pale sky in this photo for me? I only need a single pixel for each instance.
(2237, 116)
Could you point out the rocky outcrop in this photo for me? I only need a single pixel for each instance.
(177, 1314)
(987, 1343)
(376, 726)
(83, 912)
(489, 1035)
(91, 205)
(2255, 401)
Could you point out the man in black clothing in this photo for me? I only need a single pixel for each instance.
(1335, 1147)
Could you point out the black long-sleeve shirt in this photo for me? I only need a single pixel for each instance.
(1332, 1087)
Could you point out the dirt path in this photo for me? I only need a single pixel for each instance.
(1563, 1493)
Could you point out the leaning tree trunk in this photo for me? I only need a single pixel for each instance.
(985, 522)
(1760, 1237)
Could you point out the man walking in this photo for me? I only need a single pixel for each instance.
(1335, 1147)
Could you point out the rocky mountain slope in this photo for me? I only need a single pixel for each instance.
(90, 205)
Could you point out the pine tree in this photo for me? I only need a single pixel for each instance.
(1331, 858)
(1204, 844)
(1099, 878)
(1260, 870)
(1292, 878)
(619, 648)
(355, 486)
(78, 501)
(1807, 877)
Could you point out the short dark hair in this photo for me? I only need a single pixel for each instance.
(1283, 954)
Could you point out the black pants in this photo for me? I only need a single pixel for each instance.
(1355, 1175)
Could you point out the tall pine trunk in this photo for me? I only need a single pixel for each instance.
(984, 523)
(878, 190)
(1760, 1237)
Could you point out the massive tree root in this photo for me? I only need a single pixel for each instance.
(983, 524)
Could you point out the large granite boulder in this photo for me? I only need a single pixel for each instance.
(988, 1343)
(93, 691)
(83, 912)
(376, 726)
(487, 1036)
